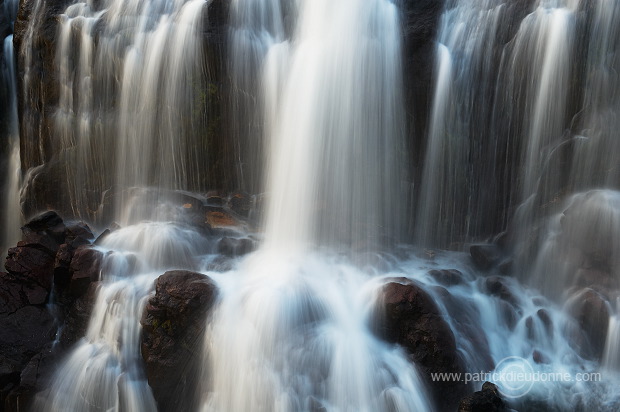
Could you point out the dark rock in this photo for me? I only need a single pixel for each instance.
(78, 234)
(545, 318)
(62, 263)
(32, 266)
(540, 358)
(590, 309)
(486, 400)
(102, 236)
(233, 247)
(77, 316)
(496, 286)
(173, 329)
(241, 204)
(485, 256)
(45, 222)
(448, 277)
(408, 316)
(505, 267)
(85, 268)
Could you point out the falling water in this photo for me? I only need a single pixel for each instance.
(105, 371)
(317, 85)
(132, 85)
(12, 215)
(333, 118)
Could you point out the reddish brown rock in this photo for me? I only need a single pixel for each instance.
(173, 329)
(85, 268)
(408, 316)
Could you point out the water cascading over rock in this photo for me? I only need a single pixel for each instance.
(10, 153)
(333, 123)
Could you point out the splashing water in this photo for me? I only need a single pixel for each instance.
(104, 371)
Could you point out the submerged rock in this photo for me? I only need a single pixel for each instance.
(591, 311)
(174, 323)
(485, 256)
(408, 316)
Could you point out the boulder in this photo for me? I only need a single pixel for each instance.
(486, 400)
(233, 247)
(407, 315)
(84, 269)
(591, 311)
(485, 256)
(173, 329)
(447, 277)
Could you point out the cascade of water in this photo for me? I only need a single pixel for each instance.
(104, 371)
(134, 104)
(597, 164)
(460, 169)
(333, 121)
(611, 355)
(334, 147)
(256, 27)
(509, 101)
(12, 216)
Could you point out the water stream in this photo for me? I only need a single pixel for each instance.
(522, 135)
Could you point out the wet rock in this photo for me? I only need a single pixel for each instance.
(77, 315)
(486, 400)
(217, 219)
(173, 328)
(233, 247)
(590, 309)
(408, 316)
(78, 234)
(540, 358)
(485, 256)
(447, 277)
(496, 286)
(85, 268)
(545, 318)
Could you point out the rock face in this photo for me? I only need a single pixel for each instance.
(42, 90)
(43, 261)
(173, 329)
(407, 316)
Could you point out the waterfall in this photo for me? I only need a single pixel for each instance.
(332, 108)
(11, 218)
(522, 136)
(337, 130)
(132, 100)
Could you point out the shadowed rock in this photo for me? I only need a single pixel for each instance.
(173, 328)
